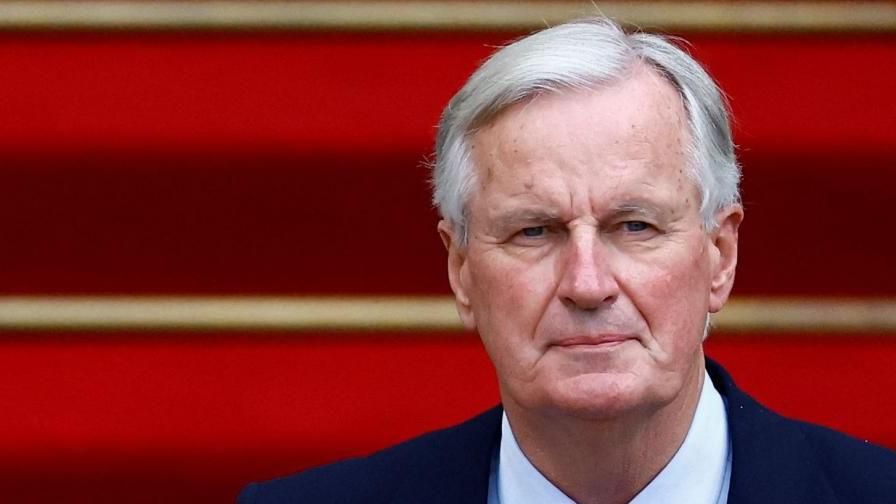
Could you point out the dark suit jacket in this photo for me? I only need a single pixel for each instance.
(774, 460)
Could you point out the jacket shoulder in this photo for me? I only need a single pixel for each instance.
(857, 470)
(777, 459)
(380, 476)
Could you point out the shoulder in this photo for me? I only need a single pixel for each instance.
(786, 460)
(380, 476)
(857, 470)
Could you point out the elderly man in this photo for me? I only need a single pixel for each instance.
(589, 193)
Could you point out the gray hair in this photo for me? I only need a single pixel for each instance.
(583, 54)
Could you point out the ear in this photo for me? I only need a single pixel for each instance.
(458, 274)
(724, 248)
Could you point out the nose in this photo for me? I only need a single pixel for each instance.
(587, 281)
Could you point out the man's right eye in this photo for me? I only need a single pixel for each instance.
(533, 232)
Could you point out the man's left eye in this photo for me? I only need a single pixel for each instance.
(635, 226)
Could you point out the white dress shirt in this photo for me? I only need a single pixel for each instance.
(698, 473)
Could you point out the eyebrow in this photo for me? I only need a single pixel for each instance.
(522, 216)
(635, 208)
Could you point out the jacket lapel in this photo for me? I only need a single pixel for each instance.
(456, 468)
(772, 460)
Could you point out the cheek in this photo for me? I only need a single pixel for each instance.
(504, 285)
(673, 297)
(509, 300)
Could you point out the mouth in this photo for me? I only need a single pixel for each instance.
(600, 341)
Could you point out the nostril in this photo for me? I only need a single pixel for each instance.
(588, 301)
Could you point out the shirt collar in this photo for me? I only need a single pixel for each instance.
(699, 471)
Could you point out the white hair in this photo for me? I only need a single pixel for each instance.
(583, 54)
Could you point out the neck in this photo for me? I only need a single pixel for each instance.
(605, 460)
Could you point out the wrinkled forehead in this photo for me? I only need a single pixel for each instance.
(640, 117)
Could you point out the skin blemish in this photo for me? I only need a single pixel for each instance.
(489, 174)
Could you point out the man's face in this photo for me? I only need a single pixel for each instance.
(588, 273)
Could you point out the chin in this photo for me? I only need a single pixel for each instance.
(603, 396)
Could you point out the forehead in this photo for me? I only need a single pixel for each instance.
(631, 135)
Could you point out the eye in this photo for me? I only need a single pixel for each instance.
(533, 236)
(635, 226)
(533, 232)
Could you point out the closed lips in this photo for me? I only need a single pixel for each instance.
(603, 339)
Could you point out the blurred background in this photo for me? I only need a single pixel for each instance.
(219, 261)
